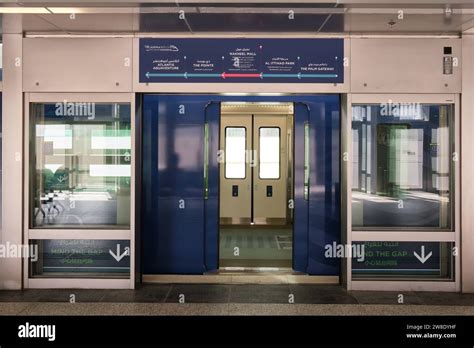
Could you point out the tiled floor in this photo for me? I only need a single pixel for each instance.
(237, 294)
(174, 309)
(258, 247)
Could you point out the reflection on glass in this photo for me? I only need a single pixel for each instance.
(81, 166)
(80, 258)
(235, 152)
(269, 154)
(402, 260)
(401, 166)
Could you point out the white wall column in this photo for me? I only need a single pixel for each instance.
(12, 152)
(467, 163)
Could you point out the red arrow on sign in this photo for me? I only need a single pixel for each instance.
(225, 75)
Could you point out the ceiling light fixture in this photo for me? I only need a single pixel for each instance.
(23, 10)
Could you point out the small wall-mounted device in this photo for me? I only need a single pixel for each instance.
(448, 60)
(269, 191)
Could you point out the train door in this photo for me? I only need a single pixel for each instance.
(256, 184)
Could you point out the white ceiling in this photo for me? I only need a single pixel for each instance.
(348, 16)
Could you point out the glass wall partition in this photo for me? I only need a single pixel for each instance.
(80, 165)
(404, 171)
(79, 202)
(401, 169)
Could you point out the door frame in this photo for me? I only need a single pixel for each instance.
(290, 182)
(312, 108)
(78, 233)
(407, 235)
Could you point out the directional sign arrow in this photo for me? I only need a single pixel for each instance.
(118, 256)
(189, 75)
(423, 258)
(225, 75)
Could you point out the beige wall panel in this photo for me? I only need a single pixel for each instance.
(35, 23)
(408, 65)
(87, 23)
(411, 23)
(467, 166)
(12, 154)
(77, 64)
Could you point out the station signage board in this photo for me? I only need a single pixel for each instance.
(241, 60)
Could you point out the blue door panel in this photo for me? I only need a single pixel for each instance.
(172, 170)
(300, 225)
(149, 196)
(323, 232)
(211, 205)
(180, 109)
(180, 159)
(179, 236)
(324, 201)
(211, 231)
(180, 146)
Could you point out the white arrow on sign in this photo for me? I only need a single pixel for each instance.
(423, 258)
(118, 256)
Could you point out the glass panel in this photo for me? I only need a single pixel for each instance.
(402, 260)
(77, 258)
(269, 154)
(81, 167)
(235, 138)
(401, 166)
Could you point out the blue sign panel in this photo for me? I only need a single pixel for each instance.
(398, 258)
(242, 60)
